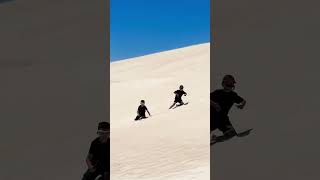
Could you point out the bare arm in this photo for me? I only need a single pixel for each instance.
(215, 105)
(88, 161)
(148, 112)
(242, 104)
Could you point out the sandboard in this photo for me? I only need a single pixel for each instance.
(223, 138)
(180, 105)
(141, 118)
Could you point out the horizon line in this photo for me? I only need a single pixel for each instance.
(156, 52)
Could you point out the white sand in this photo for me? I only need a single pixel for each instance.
(172, 144)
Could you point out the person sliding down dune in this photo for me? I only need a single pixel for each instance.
(221, 101)
(178, 98)
(141, 112)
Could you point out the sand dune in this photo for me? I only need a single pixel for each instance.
(172, 144)
(272, 48)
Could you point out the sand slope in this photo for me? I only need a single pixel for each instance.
(273, 49)
(172, 144)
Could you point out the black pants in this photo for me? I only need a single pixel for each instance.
(178, 100)
(140, 117)
(219, 121)
(89, 175)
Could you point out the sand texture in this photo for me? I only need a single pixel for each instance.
(172, 144)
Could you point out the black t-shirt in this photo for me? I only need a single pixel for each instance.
(225, 99)
(179, 94)
(101, 155)
(142, 110)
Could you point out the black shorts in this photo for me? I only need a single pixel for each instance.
(140, 117)
(178, 100)
(219, 121)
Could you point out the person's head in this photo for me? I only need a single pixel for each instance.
(228, 82)
(142, 102)
(181, 87)
(103, 130)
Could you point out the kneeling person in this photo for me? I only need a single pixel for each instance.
(141, 112)
(98, 159)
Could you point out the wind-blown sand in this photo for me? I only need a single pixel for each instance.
(172, 144)
(272, 47)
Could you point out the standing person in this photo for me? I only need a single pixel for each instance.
(178, 98)
(141, 112)
(221, 101)
(98, 158)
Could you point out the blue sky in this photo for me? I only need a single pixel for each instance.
(140, 27)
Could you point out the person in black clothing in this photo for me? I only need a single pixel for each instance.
(98, 158)
(178, 98)
(221, 101)
(141, 112)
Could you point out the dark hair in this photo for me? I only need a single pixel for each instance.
(104, 125)
(142, 101)
(227, 78)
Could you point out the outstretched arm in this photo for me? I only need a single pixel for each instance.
(215, 105)
(89, 163)
(148, 112)
(242, 104)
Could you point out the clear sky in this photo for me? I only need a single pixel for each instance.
(140, 27)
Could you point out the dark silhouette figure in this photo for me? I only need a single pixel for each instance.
(221, 101)
(178, 98)
(141, 112)
(98, 159)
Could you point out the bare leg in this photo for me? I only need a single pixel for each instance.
(172, 105)
(231, 132)
(181, 103)
(137, 118)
